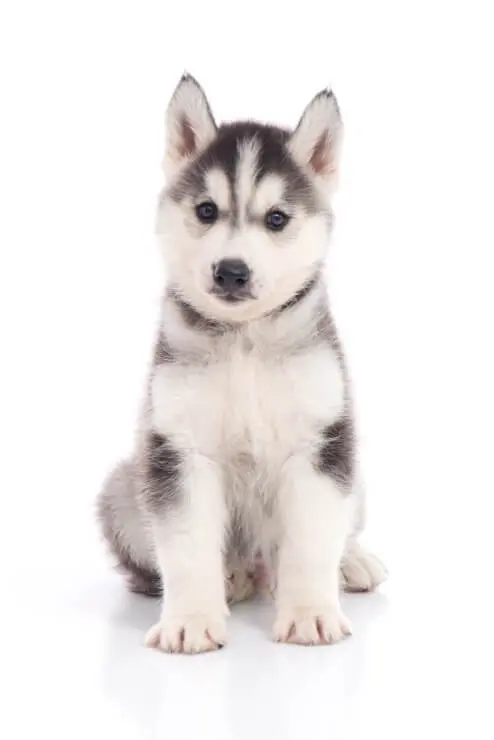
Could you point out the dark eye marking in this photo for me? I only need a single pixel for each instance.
(207, 212)
(276, 220)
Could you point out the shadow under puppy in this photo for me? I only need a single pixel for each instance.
(244, 464)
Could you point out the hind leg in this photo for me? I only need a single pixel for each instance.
(123, 528)
(239, 583)
(246, 579)
(360, 570)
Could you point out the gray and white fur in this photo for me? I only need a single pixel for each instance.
(244, 471)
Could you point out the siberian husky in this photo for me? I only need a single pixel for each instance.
(244, 472)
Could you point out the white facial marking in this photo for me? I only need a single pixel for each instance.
(248, 157)
(218, 188)
(269, 194)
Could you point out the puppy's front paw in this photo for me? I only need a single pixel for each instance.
(191, 633)
(311, 625)
(361, 571)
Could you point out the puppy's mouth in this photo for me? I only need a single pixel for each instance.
(232, 298)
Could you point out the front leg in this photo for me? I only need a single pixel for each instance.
(315, 516)
(188, 527)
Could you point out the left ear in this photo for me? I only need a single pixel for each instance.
(315, 143)
(190, 124)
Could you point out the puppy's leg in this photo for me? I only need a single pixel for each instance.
(315, 517)
(246, 579)
(240, 582)
(360, 569)
(188, 536)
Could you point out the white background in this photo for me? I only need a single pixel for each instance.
(84, 87)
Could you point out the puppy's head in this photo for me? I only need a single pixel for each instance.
(245, 219)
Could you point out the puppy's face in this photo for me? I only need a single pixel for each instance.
(245, 219)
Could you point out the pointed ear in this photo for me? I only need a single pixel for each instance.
(190, 124)
(315, 143)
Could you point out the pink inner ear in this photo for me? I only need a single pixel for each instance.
(188, 138)
(320, 160)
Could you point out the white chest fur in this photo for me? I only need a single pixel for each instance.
(264, 406)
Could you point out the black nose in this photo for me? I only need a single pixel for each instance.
(231, 275)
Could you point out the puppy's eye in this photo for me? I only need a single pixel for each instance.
(207, 212)
(276, 220)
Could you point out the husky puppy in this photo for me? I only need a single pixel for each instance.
(244, 471)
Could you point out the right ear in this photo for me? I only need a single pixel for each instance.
(316, 142)
(190, 125)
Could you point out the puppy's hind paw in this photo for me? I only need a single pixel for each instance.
(360, 570)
